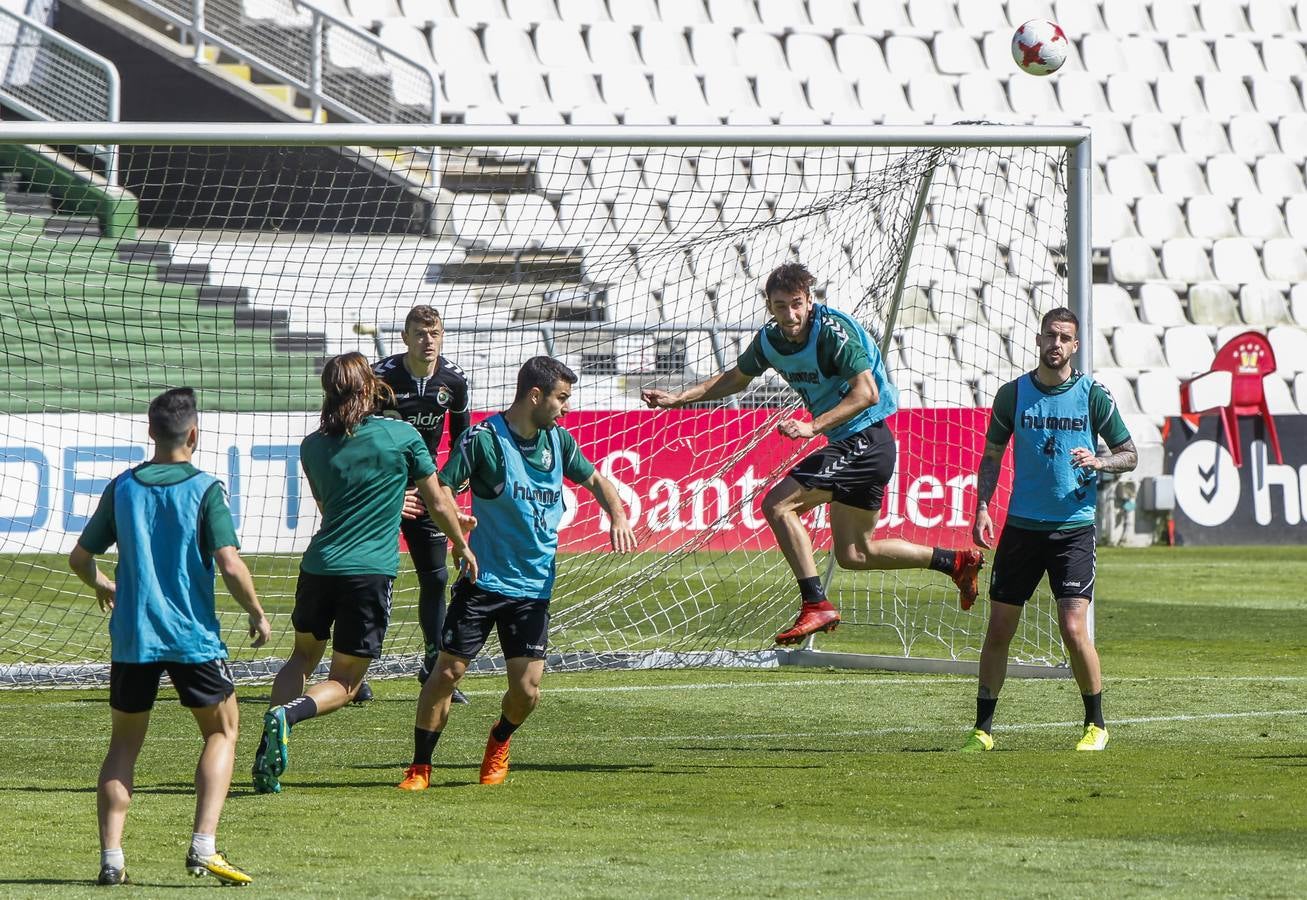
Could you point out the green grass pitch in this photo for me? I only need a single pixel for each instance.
(754, 783)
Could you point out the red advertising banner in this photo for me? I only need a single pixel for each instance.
(699, 476)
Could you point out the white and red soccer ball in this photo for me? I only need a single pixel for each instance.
(1040, 47)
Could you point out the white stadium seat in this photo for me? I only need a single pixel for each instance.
(758, 51)
(1118, 385)
(832, 15)
(858, 55)
(683, 12)
(1203, 136)
(1130, 94)
(733, 12)
(982, 94)
(1239, 55)
(1160, 219)
(1251, 137)
(808, 54)
(1178, 95)
(1113, 307)
(1159, 393)
(1188, 55)
(1102, 51)
(663, 45)
(1126, 16)
(1229, 177)
(1290, 345)
(1185, 259)
(1275, 96)
(1235, 260)
(956, 53)
(1130, 177)
(1212, 305)
(713, 47)
(1179, 176)
(1033, 97)
(883, 15)
(634, 12)
(522, 86)
(932, 15)
(1285, 260)
(508, 45)
(1210, 218)
(1259, 218)
(1153, 135)
(1263, 305)
(1159, 305)
(1279, 400)
(1278, 176)
(570, 88)
(1188, 349)
(783, 14)
(1081, 94)
(1109, 134)
(582, 12)
(1226, 94)
(454, 45)
(1174, 18)
(1137, 347)
(1283, 55)
(1131, 261)
(559, 45)
(612, 46)
(1111, 220)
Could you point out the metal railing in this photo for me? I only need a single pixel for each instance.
(46, 76)
(338, 66)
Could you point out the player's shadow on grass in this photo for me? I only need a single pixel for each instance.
(177, 788)
(90, 882)
(1294, 759)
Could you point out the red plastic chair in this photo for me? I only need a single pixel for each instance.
(1248, 358)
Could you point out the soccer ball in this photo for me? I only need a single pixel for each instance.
(1040, 47)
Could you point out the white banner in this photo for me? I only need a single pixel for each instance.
(53, 469)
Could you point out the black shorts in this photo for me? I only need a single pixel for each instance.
(133, 686)
(523, 624)
(427, 544)
(357, 605)
(854, 469)
(1024, 555)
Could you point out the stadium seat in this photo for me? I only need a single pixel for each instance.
(678, 89)
(1225, 94)
(1295, 217)
(1263, 305)
(570, 88)
(883, 15)
(1153, 136)
(1144, 55)
(559, 45)
(583, 11)
(926, 350)
(585, 217)
(1160, 220)
(949, 390)
(593, 114)
(1033, 97)
(758, 52)
(613, 170)
(1118, 385)
(1235, 261)
(1210, 218)
(977, 347)
(1212, 305)
(1179, 176)
(612, 47)
(713, 47)
(1203, 136)
(477, 220)
(1136, 347)
(1221, 17)
(906, 56)
(833, 15)
(370, 11)
(559, 173)
(1113, 307)
(1290, 345)
(1285, 260)
(957, 53)
(1110, 220)
(634, 12)
(1259, 218)
(1102, 351)
(1077, 17)
(1283, 55)
(467, 86)
(981, 94)
(1300, 391)
(1275, 96)
(626, 88)
(531, 11)
(1188, 349)
(932, 15)
(1229, 177)
(1081, 94)
(1159, 393)
(1279, 177)
(831, 93)
(1178, 95)
(780, 90)
(1188, 55)
(1251, 137)
(533, 223)
(858, 55)
(454, 45)
(809, 54)
(1158, 305)
(424, 12)
(1185, 259)
(1238, 55)
(683, 12)
(521, 86)
(1129, 177)
(782, 15)
(479, 12)
(933, 95)
(1109, 134)
(508, 46)
(1174, 18)
(1102, 52)
(733, 13)
(1279, 399)
(1132, 261)
(1129, 94)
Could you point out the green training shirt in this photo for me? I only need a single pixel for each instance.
(359, 482)
(478, 462)
(836, 354)
(216, 527)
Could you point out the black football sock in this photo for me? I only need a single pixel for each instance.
(299, 709)
(431, 607)
(985, 713)
(424, 744)
(810, 590)
(503, 729)
(942, 560)
(1094, 709)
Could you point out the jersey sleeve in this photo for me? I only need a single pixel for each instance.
(752, 362)
(460, 411)
(465, 457)
(420, 463)
(840, 353)
(217, 530)
(100, 534)
(576, 468)
(1105, 418)
(1002, 414)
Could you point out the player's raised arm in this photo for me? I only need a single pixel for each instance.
(620, 536)
(714, 388)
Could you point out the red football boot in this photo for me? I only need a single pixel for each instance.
(813, 617)
(494, 764)
(966, 567)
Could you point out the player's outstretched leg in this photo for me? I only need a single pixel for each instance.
(782, 506)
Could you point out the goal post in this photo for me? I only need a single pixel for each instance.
(636, 255)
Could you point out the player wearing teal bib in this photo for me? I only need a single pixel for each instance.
(1054, 417)
(358, 465)
(514, 463)
(831, 361)
(171, 524)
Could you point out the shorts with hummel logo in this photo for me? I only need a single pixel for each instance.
(1024, 555)
(523, 624)
(855, 469)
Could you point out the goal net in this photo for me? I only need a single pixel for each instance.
(639, 262)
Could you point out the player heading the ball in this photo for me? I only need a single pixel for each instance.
(838, 372)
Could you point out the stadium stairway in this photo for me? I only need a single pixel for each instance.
(96, 324)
